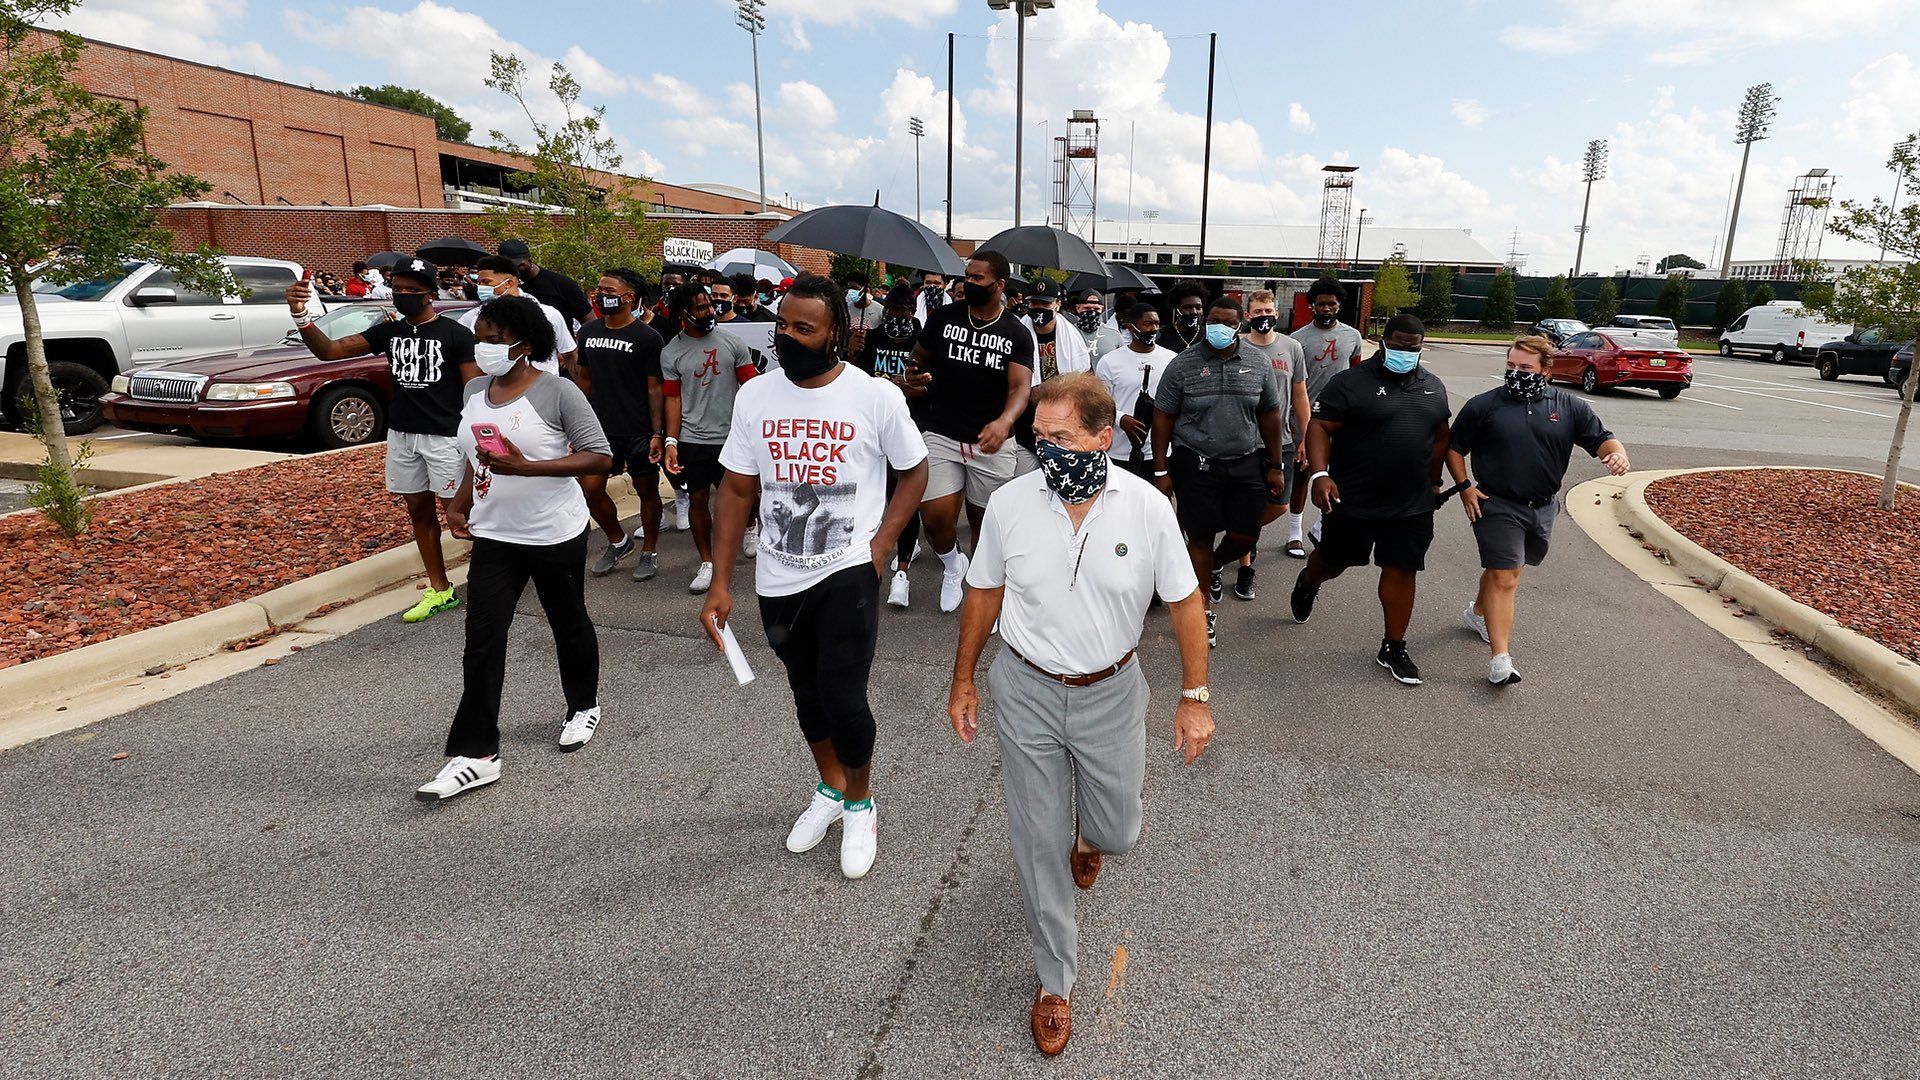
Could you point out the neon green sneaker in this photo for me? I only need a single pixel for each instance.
(432, 602)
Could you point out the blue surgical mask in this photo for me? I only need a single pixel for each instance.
(483, 293)
(1220, 335)
(856, 296)
(1401, 361)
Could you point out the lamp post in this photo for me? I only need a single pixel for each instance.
(917, 129)
(1357, 234)
(1904, 152)
(1756, 116)
(752, 21)
(1023, 10)
(1592, 167)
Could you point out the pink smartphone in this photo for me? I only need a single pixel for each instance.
(487, 437)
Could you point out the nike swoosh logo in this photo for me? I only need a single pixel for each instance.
(1426, 391)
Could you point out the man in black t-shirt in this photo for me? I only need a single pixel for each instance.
(1187, 309)
(975, 360)
(619, 367)
(1375, 448)
(430, 359)
(550, 287)
(746, 299)
(1520, 437)
(886, 352)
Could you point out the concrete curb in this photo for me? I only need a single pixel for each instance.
(1892, 673)
(56, 676)
(292, 603)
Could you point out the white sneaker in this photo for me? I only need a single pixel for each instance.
(953, 584)
(812, 825)
(682, 513)
(1473, 621)
(750, 543)
(859, 841)
(1313, 533)
(897, 595)
(915, 557)
(458, 775)
(579, 728)
(1500, 671)
(702, 579)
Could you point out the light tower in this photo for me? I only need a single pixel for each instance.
(1022, 11)
(753, 21)
(1076, 175)
(1336, 203)
(1804, 221)
(1756, 116)
(1592, 168)
(917, 130)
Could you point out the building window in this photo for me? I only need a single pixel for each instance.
(1164, 258)
(1186, 260)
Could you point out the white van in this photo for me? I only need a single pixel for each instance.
(1782, 331)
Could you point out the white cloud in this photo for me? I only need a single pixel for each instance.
(1885, 106)
(1298, 118)
(1469, 112)
(1703, 28)
(843, 12)
(595, 79)
(189, 29)
(806, 106)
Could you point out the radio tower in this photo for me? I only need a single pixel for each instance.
(1336, 203)
(1076, 176)
(1803, 222)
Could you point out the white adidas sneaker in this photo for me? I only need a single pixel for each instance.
(579, 728)
(814, 821)
(859, 841)
(458, 775)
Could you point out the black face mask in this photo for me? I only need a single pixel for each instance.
(411, 304)
(721, 307)
(1145, 337)
(1264, 324)
(1325, 321)
(799, 362)
(978, 295)
(701, 326)
(609, 304)
(1186, 321)
(1042, 317)
(897, 327)
(1089, 321)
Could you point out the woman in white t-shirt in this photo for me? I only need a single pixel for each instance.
(818, 442)
(527, 436)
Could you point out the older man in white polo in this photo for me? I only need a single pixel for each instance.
(1068, 559)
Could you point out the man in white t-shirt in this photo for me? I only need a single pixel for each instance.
(499, 278)
(1127, 371)
(818, 440)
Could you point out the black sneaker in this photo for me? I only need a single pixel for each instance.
(1214, 588)
(1243, 584)
(1213, 633)
(611, 556)
(1303, 598)
(1393, 656)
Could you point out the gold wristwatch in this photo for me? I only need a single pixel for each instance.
(1198, 693)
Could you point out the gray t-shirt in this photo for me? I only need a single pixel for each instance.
(1327, 351)
(549, 421)
(866, 318)
(705, 373)
(1216, 402)
(1102, 341)
(1289, 367)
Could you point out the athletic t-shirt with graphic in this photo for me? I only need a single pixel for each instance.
(705, 373)
(1289, 367)
(550, 420)
(821, 456)
(425, 363)
(619, 362)
(969, 368)
(884, 358)
(1327, 352)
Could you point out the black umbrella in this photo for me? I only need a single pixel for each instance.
(1043, 245)
(453, 251)
(386, 259)
(1120, 276)
(868, 232)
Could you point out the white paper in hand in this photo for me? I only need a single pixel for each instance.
(736, 658)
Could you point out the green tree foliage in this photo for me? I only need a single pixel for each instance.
(1436, 297)
(1679, 261)
(1606, 303)
(79, 197)
(1558, 303)
(1673, 299)
(446, 123)
(1219, 268)
(1329, 273)
(1392, 288)
(1761, 296)
(853, 264)
(597, 226)
(1729, 304)
(1501, 309)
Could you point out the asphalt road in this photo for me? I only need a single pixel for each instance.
(13, 495)
(1653, 858)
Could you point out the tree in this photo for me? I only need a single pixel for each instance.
(1762, 295)
(447, 124)
(1219, 268)
(853, 264)
(1393, 287)
(1673, 299)
(1328, 273)
(596, 227)
(1558, 303)
(1731, 302)
(1501, 309)
(1436, 297)
(79, 198)
(1679, 261)
(1888, 294)
(1606, 303)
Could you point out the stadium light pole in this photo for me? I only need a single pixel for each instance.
(1023, 10)
(1903, 150)
(1592, 168)
(917, 129)
(1359, 231)
(1756, 116)
(752, 21)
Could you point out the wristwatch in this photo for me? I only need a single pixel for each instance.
(1198, 693)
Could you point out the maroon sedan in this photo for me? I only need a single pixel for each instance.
(280, 392)
(1599, 359)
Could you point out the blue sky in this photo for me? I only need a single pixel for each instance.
(1468, 113)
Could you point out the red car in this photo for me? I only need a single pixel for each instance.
(282, 392)
(1599, 359)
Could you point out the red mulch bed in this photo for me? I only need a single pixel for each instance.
(1815, 535)
(152, 557)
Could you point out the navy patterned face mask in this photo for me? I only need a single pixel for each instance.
(1074, 475)
(1525, 385)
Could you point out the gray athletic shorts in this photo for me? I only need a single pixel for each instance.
(956, 466)
(1510, 532)
(417, 463)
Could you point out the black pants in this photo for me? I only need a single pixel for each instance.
(496, 576)
(825, 636)
(910, 535)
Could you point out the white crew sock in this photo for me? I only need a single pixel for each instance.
(1293, 526)
(951, 559)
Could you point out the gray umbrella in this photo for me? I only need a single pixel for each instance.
(868, 232)
(452, 251)
(1043, 245)
(1118, 276)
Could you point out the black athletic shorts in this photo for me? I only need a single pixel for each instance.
(700, 466)
(1228, 495)
(1400, 543)
(630, 456)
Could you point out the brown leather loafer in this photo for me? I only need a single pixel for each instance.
(1086, 866)
(1052, 1023)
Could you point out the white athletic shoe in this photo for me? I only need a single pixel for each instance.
(579, 728)
(682, 513)
(915, 557)
(1473, 621)
(897, 594)
(859, 841)
(953, 582)
(702, 579)
(458, 775)
(750, 543)
(812, 825)
(1313, 532)
(1500, 671)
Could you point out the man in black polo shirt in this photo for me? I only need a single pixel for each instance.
(1219, 405)
(1520, 437)
(1375, 448)
(550, 287)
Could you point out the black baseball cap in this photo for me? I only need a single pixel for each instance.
(514, 249)
(420, 270)
(1044, 288)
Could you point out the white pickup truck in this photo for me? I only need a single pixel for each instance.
(141, 317)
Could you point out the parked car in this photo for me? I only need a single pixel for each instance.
(1782, 331)
(1608, 357)
(1868, 352)
(1558, 330)
(1902, 363)
(279, 392)
(1658, 325)
(103, 327)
